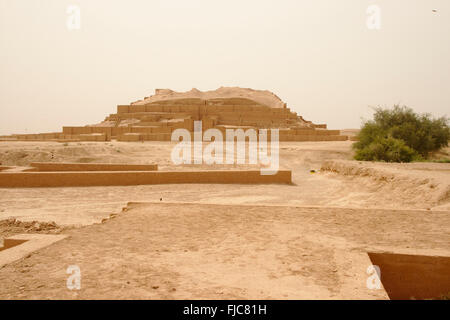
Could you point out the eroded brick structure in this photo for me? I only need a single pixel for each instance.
(156, 117)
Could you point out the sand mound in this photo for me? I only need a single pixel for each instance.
(264, 97)
(12, 226)
(43, 153)
(405, 183)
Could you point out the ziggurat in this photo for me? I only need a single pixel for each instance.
(156, 117)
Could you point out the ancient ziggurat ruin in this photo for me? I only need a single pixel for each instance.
(157, 116)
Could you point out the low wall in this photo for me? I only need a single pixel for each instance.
(93, 137)
(413, 276)
(130, 137)
(121, 178)
(66, 166)
(285, 137)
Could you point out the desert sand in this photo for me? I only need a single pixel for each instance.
(306, 240)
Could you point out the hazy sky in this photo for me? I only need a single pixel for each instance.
(318, 56)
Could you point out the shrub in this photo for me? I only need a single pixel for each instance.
(387, 149)
(400, 135)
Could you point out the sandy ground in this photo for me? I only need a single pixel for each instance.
(224, 241)
(83, 206)
(168, 251)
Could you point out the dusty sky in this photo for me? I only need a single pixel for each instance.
(318, 56)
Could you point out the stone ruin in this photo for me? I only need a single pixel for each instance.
(155, 118)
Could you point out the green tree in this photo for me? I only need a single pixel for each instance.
(401, 135)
